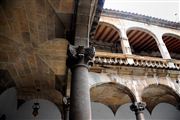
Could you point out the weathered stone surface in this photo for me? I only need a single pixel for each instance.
(25, 27)
(152, 89)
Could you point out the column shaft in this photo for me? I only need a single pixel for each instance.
(125, 46)
(139, 116)
(138, 108)
(80, 105)
(80, 97)
(66, 101)
(67, 115)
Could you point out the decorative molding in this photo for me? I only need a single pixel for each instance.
(103, 58)
(80, 55)
(140, 18)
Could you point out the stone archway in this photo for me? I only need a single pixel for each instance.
(107, 38)
(143, 42)
(112, 95)
(155, 94)
(172, 42)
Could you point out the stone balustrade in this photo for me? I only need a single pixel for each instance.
(105, 58)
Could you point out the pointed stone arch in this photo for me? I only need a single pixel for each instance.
(159, 93)
(112, 95)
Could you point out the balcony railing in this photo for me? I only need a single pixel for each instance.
(135, 60)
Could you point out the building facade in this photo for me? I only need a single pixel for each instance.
(74, 60)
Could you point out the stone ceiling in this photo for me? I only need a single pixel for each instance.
(32, 48)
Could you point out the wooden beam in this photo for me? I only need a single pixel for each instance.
(110, 34)
(131, 35)
(99, 32)
(145, 42)
(106, 33)
(135, 32)
(102, 32)
(137, 38)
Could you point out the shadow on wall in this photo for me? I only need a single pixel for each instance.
(8, 108)
(162, 111)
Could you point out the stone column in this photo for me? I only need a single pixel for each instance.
(125, 46)
(138, 108)
(80, 105)
(126, 49)
(162, 48)
(164, 51)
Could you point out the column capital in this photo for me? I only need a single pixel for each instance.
(80, 55)
(138, 106)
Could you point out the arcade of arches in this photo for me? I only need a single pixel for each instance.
(74, 60)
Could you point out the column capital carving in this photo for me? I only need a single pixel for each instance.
(80, 55)
(138, 106)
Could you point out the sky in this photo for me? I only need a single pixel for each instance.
(164, 9)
